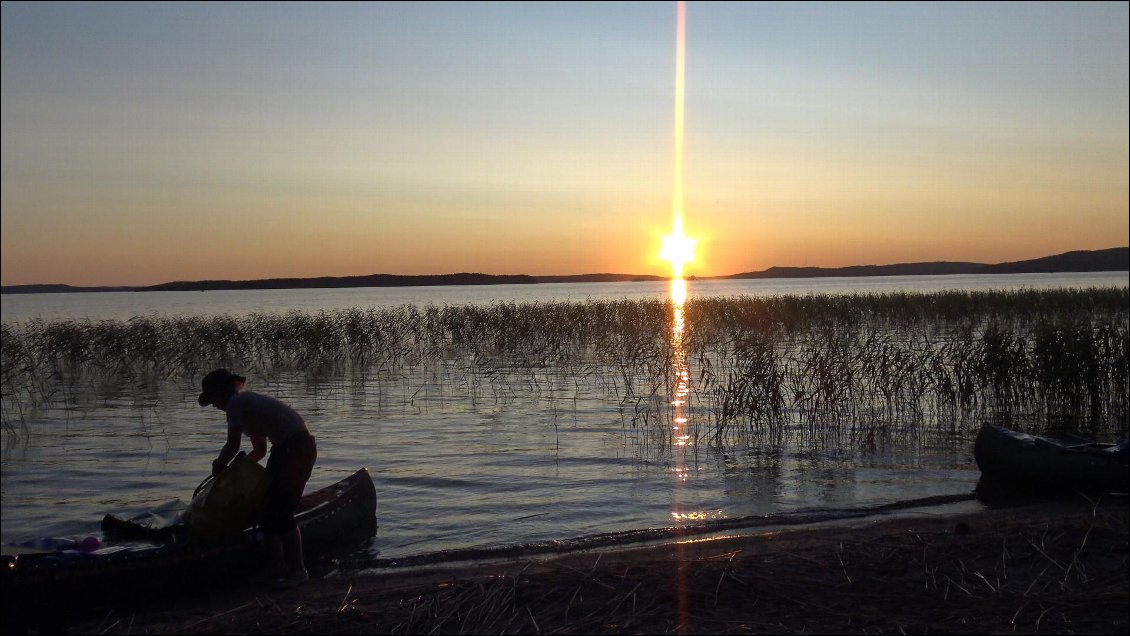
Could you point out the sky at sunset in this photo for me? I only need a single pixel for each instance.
(146, 143)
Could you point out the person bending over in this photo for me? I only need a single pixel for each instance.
(293, 452)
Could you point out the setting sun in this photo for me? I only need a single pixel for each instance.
(678, 249)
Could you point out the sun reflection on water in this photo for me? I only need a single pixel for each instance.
(698, 515)
(681, 390)
(681, 439)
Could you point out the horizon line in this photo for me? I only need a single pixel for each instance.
(534, 278)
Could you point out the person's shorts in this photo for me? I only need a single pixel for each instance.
(289, 468)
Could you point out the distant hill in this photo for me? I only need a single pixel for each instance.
(900, 269)
(600, 278)
(57, 289)
(1116, 259)
(1110, 260)
(374, 280)
(1113, 260)
(392, 280)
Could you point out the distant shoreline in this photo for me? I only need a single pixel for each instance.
(1109, 260)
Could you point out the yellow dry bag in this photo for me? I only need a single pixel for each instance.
(229, 502)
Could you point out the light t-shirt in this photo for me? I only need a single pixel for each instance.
(263, 416)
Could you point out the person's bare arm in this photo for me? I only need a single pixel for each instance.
(231, 447)
(258, 448)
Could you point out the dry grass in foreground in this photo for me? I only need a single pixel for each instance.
(1046, 568)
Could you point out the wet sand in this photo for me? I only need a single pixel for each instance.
(1053, 567)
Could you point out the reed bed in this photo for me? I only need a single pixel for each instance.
(853, 369)
(866, 367)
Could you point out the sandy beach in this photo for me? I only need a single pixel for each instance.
(1051, 567)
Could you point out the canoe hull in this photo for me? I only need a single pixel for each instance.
(1047, 463)
(339, 515)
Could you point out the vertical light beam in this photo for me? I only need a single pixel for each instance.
(677, 247)
(680, 93)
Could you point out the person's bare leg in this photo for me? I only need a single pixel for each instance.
(292, 549)
(278, 549)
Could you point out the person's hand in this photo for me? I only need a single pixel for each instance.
(217, 467)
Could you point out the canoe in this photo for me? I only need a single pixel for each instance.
(132, 573)
(1053, 463)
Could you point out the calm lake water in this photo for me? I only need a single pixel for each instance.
(124, 305)
(458, 462)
